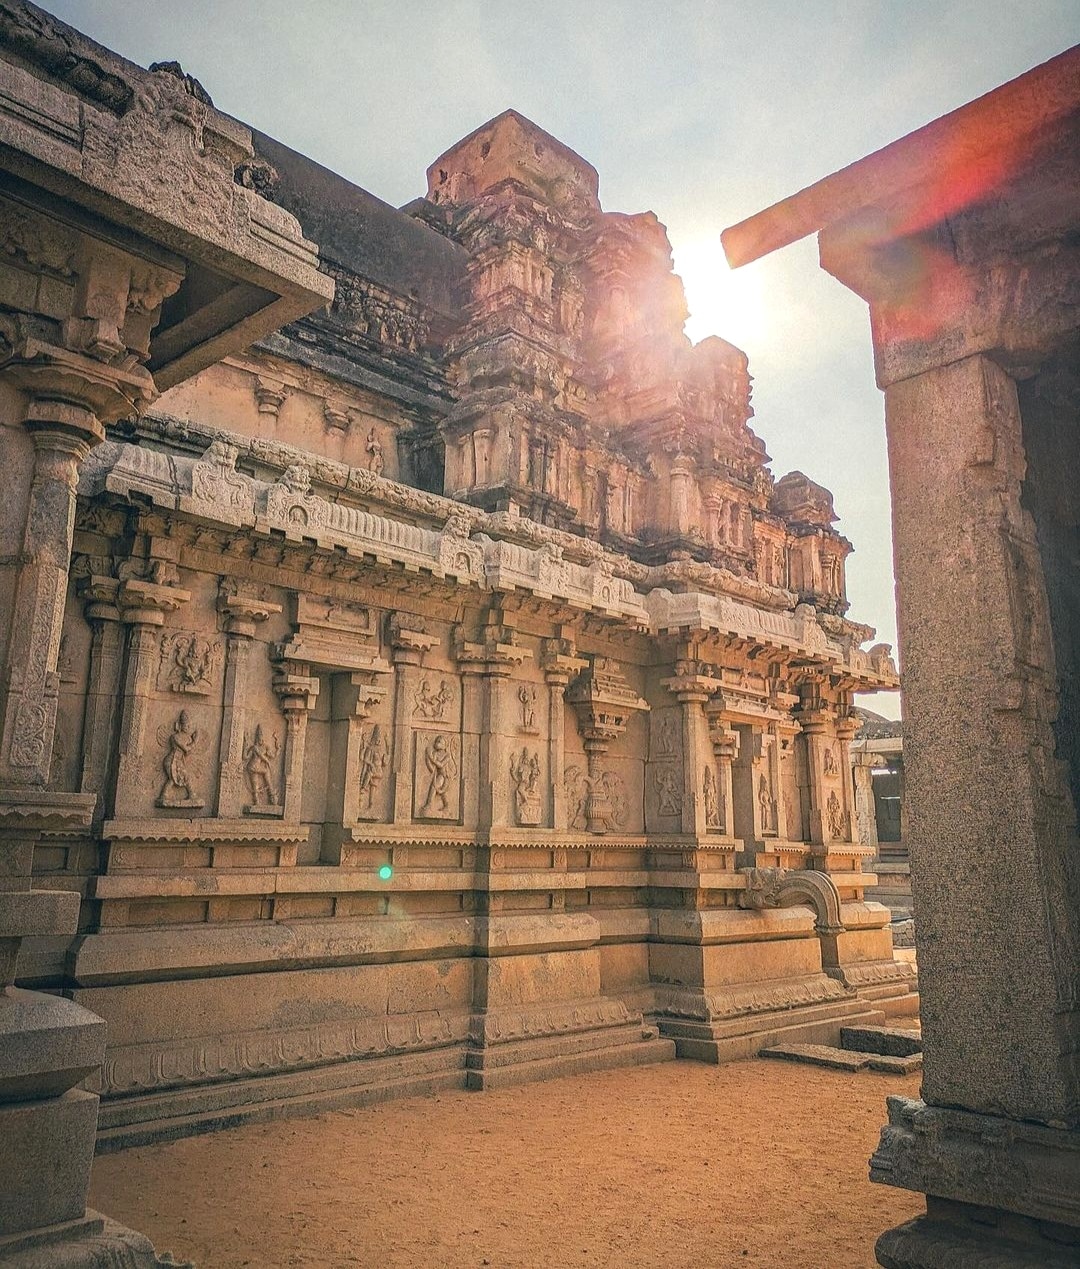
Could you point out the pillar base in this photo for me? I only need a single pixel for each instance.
(982, 1161)
(961, 1236)
(92, 1242)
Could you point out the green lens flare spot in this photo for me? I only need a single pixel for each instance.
(385, 872)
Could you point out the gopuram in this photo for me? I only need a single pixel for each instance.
(412, 675)
(964, 239)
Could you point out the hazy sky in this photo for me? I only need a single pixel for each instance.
(702, 112)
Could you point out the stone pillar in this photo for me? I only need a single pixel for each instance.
(366, 753)
(846, 727)
(143, 605)
(863, 765)
(408, 643)
(243, 614)
(603, 701)
(62, 436)
(297, 691)
(725, 747)
(692, 690)
(980, 923)
(560, 664)
(103, 685)
(488, 666)
(49, 1045)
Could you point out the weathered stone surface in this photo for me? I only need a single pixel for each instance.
(888, 1041)
(48, 1148)
(47, 1045)
(819, 1055)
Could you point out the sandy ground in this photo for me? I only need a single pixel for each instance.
(757, 1163)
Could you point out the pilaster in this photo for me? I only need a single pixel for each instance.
(560, 664)
(242, 614)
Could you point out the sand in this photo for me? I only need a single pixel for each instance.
(756, 1163)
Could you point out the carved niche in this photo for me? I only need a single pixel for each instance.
(525, 775)
(436, 776)
(179, 743)
(261, 769)
(373, 758)
(188, 663)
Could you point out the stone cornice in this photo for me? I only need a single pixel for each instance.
(471, 546)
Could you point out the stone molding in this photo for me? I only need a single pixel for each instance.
(211, 488)
(981, 1159)
(741, 1000)
(503, 1026)
(202, 830)
(210, 1059)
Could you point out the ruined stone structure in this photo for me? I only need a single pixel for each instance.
(432, 687)
(963, 239)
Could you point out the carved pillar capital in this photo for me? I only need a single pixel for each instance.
(243, 612)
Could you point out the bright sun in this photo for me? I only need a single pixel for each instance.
(725, 302)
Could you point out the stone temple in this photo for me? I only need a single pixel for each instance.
(412, 675)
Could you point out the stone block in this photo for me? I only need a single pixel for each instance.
(48, 1147)
(819, 1055)
(896, 1065)
(888, 1041)
(47, 1045)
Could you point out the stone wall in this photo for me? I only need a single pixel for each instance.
(450, 694)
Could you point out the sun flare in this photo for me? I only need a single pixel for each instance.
(725, 302)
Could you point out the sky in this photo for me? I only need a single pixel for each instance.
(703, 111)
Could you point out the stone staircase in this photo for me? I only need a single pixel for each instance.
(893, 1050)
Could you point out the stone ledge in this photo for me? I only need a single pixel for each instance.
(163, 829)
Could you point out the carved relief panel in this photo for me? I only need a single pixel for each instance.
(436, 776)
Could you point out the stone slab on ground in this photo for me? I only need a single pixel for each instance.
(890, 1065)
(889, 1041)
(819, 1055)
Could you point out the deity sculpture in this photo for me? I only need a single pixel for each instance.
(669, 797)
(665, 736)
(432, 705)
(440, 762)
(765, 805)
(712, 799)
(258, 759)
(375, 453)
(374, 757)
(525, 772)
(834, 814)
(829, 762)
(527, 697)
(179, 742)
(193, 661)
